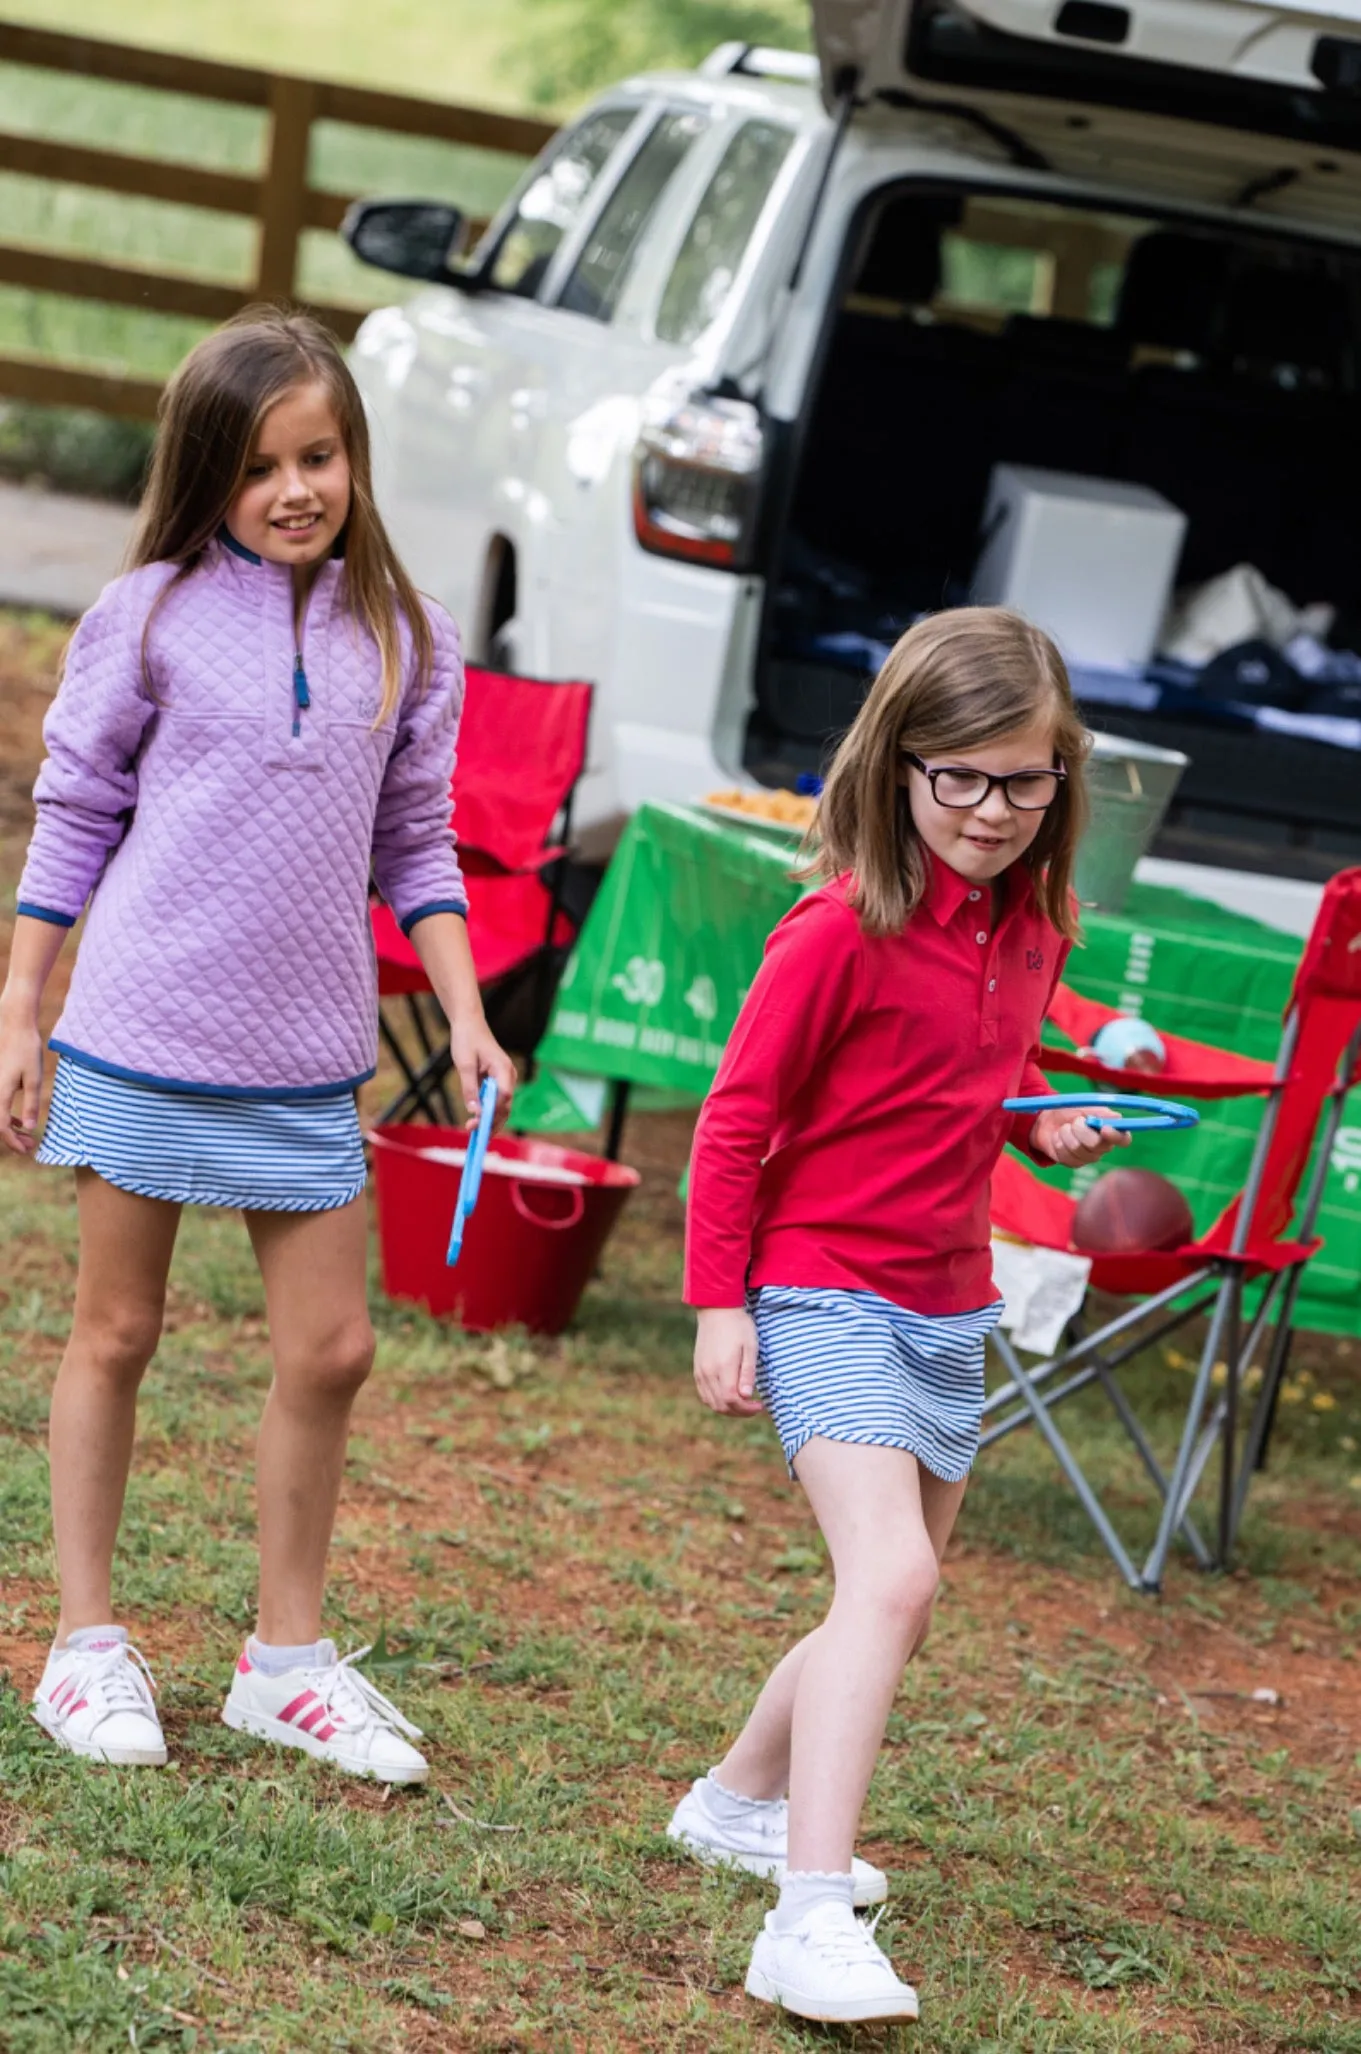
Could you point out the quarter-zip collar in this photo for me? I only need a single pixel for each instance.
(254, 573)
(271, 584)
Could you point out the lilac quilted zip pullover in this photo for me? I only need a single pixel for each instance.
(225, 823)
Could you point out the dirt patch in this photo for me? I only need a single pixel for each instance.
(1295, 1692)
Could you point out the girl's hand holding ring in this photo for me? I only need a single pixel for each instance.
(477, 1054)
(1071, 1140)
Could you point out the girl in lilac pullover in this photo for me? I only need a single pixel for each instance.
(258, 714)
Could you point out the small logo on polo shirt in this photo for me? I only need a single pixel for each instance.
(1034, 959)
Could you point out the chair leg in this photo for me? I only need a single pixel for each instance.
(1125, 1413)
(1273, 1376)
(1103, 1370)
(619, 1105)
(435, 1079)
(1059, 1448)
(1228, 1430)
(1182, 1482)
(1125, 1323)
(1254, 1455)
(431, 1078)
(414, 1093)
(1022, 1416)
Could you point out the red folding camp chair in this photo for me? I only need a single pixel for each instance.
(1251, 1242)
(521, 750)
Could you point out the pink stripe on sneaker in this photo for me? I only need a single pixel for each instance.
(78, 1708)
(299, 1704)
(324, 1732)
(308, 1724)
(243, 1666)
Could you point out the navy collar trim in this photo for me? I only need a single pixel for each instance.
(229, 541)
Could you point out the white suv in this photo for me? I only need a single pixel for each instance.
(710, 412)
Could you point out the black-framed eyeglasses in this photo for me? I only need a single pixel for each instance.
(1026, 791)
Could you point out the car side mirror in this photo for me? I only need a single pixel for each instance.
(414, 238)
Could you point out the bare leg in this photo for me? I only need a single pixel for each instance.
(125, 1247)
(757, 1764)
(314, 1271)
(868, 1503)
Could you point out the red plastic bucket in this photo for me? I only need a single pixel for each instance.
(530, 1246)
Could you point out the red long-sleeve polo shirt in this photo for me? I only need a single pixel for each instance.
(854, 1124)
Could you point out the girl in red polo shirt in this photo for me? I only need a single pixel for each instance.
(839, 1250)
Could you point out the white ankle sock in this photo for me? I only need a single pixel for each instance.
(803, 1888)
(95, 1637)
(277, 1661)
(728, 1807)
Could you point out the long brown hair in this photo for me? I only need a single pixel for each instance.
(956, 681)
(210, 416)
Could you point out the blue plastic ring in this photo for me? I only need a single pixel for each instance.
(1162, 1112)
(470, 1183)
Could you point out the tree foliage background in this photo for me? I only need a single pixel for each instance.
(572, 47)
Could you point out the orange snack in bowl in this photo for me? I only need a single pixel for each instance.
(790, 809)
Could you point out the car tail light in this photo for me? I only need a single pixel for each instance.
(696, 468)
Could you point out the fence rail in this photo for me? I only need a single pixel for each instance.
(280, 199)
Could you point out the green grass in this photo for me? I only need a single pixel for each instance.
(575, 1579)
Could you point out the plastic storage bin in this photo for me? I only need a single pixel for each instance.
(1089, 560)
(1131, 785)
(529, 1248)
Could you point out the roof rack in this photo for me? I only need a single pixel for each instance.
(752, 60)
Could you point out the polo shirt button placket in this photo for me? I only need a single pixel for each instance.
(989, 1010)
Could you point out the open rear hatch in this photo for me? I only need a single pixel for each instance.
(1290, 68)
(1178, 313)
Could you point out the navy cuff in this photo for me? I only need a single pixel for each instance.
(46, 913)
(459, 906)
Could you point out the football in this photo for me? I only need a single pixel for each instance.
(1129, 1210)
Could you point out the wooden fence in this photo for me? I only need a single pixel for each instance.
(280, 199)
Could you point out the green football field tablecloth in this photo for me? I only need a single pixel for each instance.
(675, 937)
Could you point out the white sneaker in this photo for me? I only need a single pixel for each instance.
(829, 1967)
(757, 1843)
(96, 1701)
(331, 1712)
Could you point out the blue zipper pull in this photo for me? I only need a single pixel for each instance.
(302, 697)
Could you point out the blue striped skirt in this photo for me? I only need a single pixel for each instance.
(851, 1366)
(259, 1155)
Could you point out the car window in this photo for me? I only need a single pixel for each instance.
(600, 272)
(551, 203)
(716, 239)
(1027, 257)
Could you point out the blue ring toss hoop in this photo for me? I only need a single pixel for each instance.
(1159, 1112)
(470, 1183)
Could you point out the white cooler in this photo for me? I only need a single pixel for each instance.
(1089, 560)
